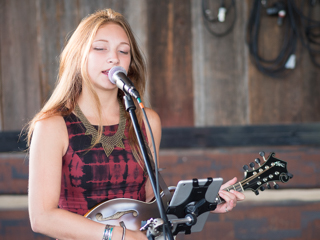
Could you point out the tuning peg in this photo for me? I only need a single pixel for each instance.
(262, 155)
(252, 165)
(257, 160)
(268, 186)
(256, 192)
(245, 168)
(262, 188)
(276, 186)
(289, 175)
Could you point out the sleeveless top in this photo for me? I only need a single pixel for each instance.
(89, 177)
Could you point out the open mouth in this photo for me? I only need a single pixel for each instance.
(105, 72)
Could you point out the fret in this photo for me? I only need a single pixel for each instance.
(219, 200)
(237, 187)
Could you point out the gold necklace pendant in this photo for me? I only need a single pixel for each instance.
(108, 142)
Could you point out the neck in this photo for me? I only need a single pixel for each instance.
(108, 103)
(236, 187)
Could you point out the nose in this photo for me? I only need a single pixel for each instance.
(113, 57)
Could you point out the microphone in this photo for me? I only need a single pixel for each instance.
(118, 75)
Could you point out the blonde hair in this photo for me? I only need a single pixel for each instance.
(73, 73)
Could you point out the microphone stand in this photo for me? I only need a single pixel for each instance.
(130, 107)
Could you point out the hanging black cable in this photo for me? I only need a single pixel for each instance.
(307, 28)
(223, 12)
(277, 67)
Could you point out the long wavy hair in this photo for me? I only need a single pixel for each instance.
(73, 73)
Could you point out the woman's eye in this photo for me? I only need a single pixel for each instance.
(124, 52)
(98, 49)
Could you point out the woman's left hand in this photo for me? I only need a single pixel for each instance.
(230, 197)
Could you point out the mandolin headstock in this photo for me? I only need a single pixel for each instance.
(268, 172)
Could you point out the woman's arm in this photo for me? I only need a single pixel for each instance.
(49, 143)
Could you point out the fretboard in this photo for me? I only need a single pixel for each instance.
(237, 187)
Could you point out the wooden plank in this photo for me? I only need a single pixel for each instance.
(284, 220)
(294, 98)
(219, 68)
(13, 202)
(10, 141)
(57, 20)
(15, 224)
(14, 173)
(170, 61)
(226, 162)
(20, 87)
(259, 135)
(303, 163)
(207, 137)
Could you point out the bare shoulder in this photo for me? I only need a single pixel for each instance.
(51, 131)
(153, 117)
(52, 124)
(155, 124)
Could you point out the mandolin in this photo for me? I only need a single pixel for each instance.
(133, 212)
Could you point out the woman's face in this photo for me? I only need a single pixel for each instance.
(110, 48)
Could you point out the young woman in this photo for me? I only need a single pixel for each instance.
(83, 149)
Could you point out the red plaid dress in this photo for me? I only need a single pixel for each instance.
(90, 177)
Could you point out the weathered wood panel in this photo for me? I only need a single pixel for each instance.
(28, 74)
(290, 99)
(267, 221)
(19, 76)
(195, 78)
(219, 68)
(14, 173)
(57, 20)
(303, 163)
(15, 224)
(170, 61)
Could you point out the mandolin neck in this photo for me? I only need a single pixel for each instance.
(236, 187)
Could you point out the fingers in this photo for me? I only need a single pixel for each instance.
(230, 199)
(240, 196)
(230, 182)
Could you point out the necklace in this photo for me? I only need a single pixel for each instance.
(108, 142)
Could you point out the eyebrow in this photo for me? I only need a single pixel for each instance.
(103, 40)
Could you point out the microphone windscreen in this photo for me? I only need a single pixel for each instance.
(113, 71)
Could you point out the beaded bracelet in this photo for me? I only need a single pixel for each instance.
(124, 229)
(107, 232)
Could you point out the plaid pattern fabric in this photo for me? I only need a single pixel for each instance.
(89, 177)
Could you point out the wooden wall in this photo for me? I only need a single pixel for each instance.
(290, 213)
(195, 78)
(33, 33)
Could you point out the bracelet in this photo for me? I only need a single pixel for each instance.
(124, 229)
(107, 232)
